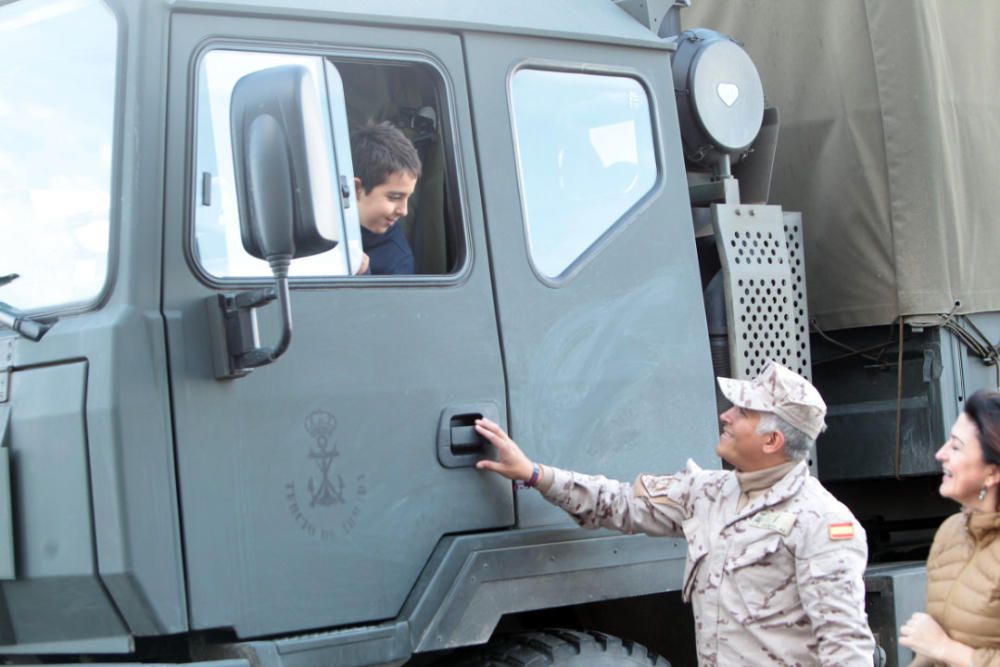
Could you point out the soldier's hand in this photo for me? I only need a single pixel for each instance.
(511, 461)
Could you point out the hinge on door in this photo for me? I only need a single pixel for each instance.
(6, 364)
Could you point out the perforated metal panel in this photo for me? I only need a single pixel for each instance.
(766, 311)
(800, 315)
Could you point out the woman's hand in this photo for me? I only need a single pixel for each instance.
(511, 463)
(922, 634)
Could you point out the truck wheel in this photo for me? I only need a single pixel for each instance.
(570, 648)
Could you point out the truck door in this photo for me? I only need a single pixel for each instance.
(314, 489)
(596, 273)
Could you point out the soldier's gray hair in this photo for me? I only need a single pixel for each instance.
(797, 443)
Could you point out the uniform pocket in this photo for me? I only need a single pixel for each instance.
(761, 580)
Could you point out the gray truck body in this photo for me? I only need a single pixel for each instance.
(180, 502)
(324, 508)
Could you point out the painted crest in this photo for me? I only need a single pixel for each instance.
(329, 507)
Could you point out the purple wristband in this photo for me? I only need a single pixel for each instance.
(536, 473)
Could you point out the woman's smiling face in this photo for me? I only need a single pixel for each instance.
(961, 458)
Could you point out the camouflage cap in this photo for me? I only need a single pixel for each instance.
(783, 392)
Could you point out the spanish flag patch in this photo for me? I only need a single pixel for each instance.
(841, 531)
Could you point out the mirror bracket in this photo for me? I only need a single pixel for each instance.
(234, 315)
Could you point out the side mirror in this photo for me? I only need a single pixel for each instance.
(285, 190)
(284, 173)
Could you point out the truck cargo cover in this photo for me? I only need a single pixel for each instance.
(889, 145)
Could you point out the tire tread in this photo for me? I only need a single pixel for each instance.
(554, 646)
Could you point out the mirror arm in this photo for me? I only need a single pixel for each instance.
(265, 355)
(27, 327)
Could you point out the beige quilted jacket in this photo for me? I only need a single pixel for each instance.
(963, 584)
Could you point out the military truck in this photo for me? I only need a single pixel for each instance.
(183, 480)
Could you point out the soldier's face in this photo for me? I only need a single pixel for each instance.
(961, 458)
(739, 444)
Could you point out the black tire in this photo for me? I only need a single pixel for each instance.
(570, 648)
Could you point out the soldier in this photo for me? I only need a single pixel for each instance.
(774, 564)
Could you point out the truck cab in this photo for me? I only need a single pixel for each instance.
(158, 488)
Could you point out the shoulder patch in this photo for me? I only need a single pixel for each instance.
(781, 522)
(656, 485)
(656, 488)
(841, 530)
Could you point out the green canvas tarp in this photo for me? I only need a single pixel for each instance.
(889, 145)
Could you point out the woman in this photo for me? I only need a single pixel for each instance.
(962, 623)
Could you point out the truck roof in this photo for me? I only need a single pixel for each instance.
(587, 20)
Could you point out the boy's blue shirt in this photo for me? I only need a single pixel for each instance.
(389, 253)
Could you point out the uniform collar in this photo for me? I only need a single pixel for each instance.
(759, 480)
(784, 488)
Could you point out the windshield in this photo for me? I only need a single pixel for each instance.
(56, 129)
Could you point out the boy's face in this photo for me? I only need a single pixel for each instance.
(383, 205)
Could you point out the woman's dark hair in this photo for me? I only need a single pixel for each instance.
(983, 408)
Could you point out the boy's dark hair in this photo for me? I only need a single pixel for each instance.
(983, 408)
(379, 150)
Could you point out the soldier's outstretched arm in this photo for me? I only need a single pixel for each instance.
(593, 501)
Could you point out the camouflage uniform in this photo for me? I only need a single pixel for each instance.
(774, 578)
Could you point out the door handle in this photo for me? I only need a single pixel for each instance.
(459, 445)
(465, 439)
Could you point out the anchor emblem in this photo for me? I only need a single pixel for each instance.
(320, 425)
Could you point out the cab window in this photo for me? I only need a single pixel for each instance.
(57, 106)
(585, 158)
(357, 93)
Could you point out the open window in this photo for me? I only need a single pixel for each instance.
(355, 91)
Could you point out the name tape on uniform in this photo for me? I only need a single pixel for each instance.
(779, 521)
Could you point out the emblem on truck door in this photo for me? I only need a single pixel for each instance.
(320, 426)
(330, 506)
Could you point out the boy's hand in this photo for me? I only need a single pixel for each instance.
(512, 463)
(363, 269)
